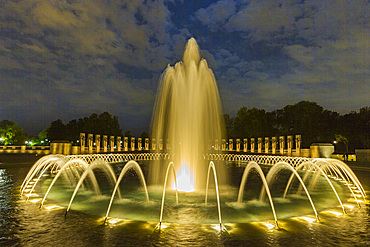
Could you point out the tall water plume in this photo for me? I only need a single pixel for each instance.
(188, 114)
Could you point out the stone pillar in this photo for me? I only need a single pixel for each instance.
(290, 145)
(253, 144)
(97, 142)
(216, 145)
(160, 144)
(119, 143)
(238, 145)
(111, 143)
(105, 143)
(90, 141)
(168, 147)
(154, 144)
(132, 143)
(146, 144)
(125, 143)
(282, 144)
(245, 145)
(139, 144)
(298, 141)
(273, 145)
(259, 145)
(231, 144)
(82, 142)
(267, 145)
(223, 145)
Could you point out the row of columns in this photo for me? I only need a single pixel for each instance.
(274, 145)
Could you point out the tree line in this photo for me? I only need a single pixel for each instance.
(306, 118)
(104, 124)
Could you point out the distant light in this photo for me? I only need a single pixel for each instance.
(1, 139)
(42, 141)
(335, 142)
(30, 143)
(26, 142)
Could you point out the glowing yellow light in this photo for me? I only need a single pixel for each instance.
(184, 181)
(308, 219)
(35, 200)
(334, 212)
(114, 221)
(163, 226)
(53, 207)
(359, 200)
(219, 227)
(27, 190)
(348, 206)
(269, 225)
(29, 195)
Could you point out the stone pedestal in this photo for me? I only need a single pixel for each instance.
(217, 147)
(298, 141)
(168, 147)
(139, 144)
(267, 145)
(154, 144)
(273, 145)
(282, 144)
(231, 144)
(245, 145)
(132, 143)
(253, 145)
(97, 142)
(321, 150)
(90, 141)
(105, 143)
(82, 142)
(289, 145)
(237, 145)
(223, 145)
(259, 145)
(160, 144)
(125, 143)
(146, 143)
(111, 143)
(119, 143)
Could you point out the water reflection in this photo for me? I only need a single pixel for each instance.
(25, 225)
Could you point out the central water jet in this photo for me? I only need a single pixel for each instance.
(188, 115)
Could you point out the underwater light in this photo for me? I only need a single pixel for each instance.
(308, 219)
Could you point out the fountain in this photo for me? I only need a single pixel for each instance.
(188, 114)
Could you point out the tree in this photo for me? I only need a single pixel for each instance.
(11, 133)
(342, 139)
(103, 124)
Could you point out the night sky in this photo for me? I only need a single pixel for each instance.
(68, 59)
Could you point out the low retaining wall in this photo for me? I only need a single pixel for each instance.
(362, 155)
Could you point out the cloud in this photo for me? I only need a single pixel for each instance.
(217, 14)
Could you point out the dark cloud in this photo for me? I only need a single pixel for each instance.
(68, 59)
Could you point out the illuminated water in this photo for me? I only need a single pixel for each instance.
(187, 115)
(26, 225)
